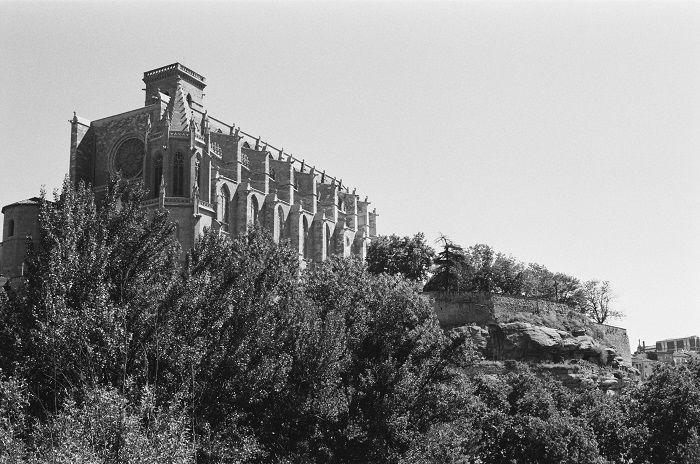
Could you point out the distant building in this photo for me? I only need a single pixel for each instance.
(207, 174)
(672, 351)
(672, 345)
(644, 364)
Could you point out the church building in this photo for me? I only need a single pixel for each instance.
(207, 174)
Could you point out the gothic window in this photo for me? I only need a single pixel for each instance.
(198, 171)
(329, 241)
(189, 100)
(253, 213)
(305, 242)
(11, 228)
(179, 175)
(157, 174)
(225, 206)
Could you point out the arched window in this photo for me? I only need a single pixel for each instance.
(179, 175)
(198, 171)
(253, 213)
(225, 206)
(305, 242)
(157, 174)
(329, 241)
(279, 225)
(11, 228)
(189, 100)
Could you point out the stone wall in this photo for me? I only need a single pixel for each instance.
(619, 339)
(455, 309)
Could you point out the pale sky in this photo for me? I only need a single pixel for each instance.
(564, 133)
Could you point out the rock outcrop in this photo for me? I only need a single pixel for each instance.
(578, 360)
(522, 341)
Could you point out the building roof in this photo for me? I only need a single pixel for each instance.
(174, 69)
(27, 202)
(677, 338)
(181, 111)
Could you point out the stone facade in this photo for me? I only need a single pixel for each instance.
(209, 174)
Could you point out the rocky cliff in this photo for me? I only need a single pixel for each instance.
(547, 335)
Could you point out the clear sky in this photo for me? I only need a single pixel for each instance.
(564, 133)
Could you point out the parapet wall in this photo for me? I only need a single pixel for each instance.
(455, 309)
(618, 337)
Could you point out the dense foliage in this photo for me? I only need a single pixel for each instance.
(119, 349)
(410, 257)
(481, 269)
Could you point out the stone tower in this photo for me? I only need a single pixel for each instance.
(20, 223)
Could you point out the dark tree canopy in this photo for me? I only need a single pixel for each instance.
(410, 257)
(450, 263)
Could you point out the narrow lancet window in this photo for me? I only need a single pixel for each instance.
(305, 242)
(329, 242)
(179, 175)
(253, 210)
(226, 207)
(157, 174)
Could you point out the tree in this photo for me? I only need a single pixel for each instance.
(668, 403)
(478, 275)
(508, 275)
(408, 256)
(596, 299)
(88, 312)
(450, 262)
(107, 427)
(392, 361)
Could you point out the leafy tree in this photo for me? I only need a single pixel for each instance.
(620, 438)
(508, 275)
(669, 405)
(596, 301)
(538, 282)
(106, 427)
(86, 314)
(478, 273)
(233, 336)
(394, 360)
(567, 289)
(13, 419)
(411, 257)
